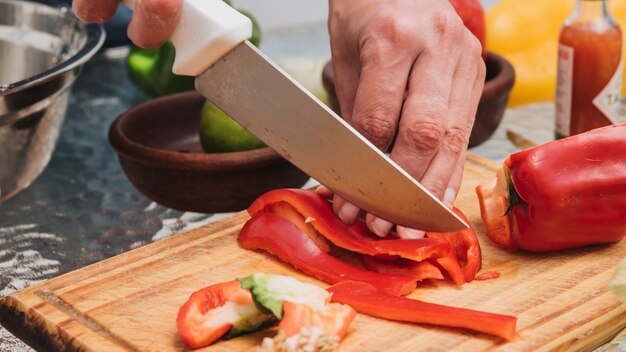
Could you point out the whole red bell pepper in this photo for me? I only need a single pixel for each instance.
(563, 194)
(277, 235)
(366, 299)
(321, 220)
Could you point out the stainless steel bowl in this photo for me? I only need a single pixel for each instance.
(42, 50)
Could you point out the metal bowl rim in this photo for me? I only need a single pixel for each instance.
(95, 39)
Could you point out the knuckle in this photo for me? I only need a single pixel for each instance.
(472, 45)
(448, 25)
(424, 136)
(377, 127)
(456, 138)
(392, 30)
(437, 185)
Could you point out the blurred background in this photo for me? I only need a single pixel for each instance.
(276, 14)
(272, 14)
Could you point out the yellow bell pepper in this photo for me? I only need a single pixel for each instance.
(526, 33)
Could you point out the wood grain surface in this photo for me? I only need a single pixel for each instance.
(130, 302)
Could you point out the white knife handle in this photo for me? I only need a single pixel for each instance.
(206, 31)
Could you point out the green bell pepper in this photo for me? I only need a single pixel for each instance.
(151, 69)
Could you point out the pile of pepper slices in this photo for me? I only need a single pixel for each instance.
(300, 228)
(564, 194)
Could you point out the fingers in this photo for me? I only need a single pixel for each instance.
(377, 225)
(154, 21)
(452, 190)
(425, 114)
(98, 11)
(152, 24)
(408, 233)
(462, 107)
(345, 210)
(346, 80)
(324, 192)
(379, 95)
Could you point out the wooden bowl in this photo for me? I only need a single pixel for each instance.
(498, 84)
(159, 149)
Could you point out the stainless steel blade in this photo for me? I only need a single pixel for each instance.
(273, 106)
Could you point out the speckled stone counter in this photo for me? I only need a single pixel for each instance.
(82, 209)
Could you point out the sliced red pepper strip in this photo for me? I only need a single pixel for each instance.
(366, 299)
(418, 270)
(285, 240)
(288, 212)
(465, 245)
(319, 211)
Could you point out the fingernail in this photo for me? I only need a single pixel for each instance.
(348, 213)
(449, 196)
(407, 233)
(338, 203)
(380, 227)
(324, 191)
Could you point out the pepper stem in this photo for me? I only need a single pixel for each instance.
(513, 199)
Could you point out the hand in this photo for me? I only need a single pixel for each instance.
(409, 70)
(152, 24)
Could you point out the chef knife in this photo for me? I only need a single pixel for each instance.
(211, 43)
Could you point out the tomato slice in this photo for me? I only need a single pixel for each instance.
(334, 320)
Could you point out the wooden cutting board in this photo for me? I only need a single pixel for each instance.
(130, 302)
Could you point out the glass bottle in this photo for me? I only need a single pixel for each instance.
(589, 83)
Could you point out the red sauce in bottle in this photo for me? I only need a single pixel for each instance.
(590, 70)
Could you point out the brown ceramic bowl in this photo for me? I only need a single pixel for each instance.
(159, 149)
(498, 84)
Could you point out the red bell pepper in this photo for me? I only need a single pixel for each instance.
(465, 245)
(319, 214)
(218, 310)
(280, 237)
(366, 299)
(563, 194)
(400, 266)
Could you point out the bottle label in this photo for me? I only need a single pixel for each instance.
(565, 79)
(609, 101)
